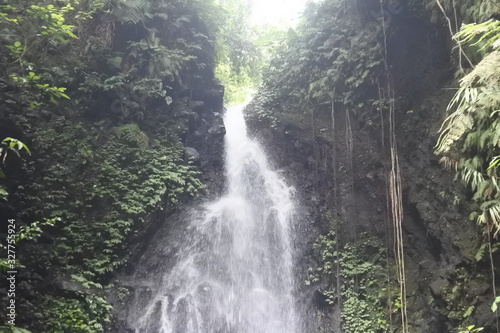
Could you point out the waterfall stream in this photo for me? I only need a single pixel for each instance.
(233, 271)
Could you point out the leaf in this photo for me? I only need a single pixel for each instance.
(3, 194)
(64, 95)
(494, 162)
(494, 306)
(468, 312)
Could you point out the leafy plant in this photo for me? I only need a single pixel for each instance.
(467, 10)
(111, 156)
(362, 270)
(486, 35)
(470, 329)
(6, 14)
(132, 134)
(162, 59)
(51, 92)
(329, 58)
(469, 137)
(52, 21)
(11, 145)
(494, 306)
(30, 231)
(84, 315)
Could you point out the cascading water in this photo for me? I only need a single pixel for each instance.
(233, 272)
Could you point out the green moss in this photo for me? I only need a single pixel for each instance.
(363, 281)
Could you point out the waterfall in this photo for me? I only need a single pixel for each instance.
(233, 271)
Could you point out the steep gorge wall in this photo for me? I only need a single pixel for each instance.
(339, 168)
(338, 157)
(137, 134)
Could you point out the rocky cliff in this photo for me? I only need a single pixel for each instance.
(333, 139)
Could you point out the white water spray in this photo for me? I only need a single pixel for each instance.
(233, 274)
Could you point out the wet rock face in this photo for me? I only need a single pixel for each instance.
(329, 180)
(440, 241)
(438, 237)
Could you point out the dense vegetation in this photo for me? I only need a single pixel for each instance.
(339, 64)
(470, 135)
(99, 92)
(244, 51)
(95, 112)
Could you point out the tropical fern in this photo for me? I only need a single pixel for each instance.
(476, 101)
(133, 11)
(132, 134)
(478, 11)
(449, 163)
(470, 136)
(486, 34)
(491, 213)
(453, 128)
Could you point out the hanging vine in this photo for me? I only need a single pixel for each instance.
(396, 194)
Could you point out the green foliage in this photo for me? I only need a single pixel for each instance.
(494, 162)
(40, 28)
(30, 232)
(330, 57)
(249, 51)
(115, 179)
(485, 35)
(325, 247)
(3, 193)
(470, 135)
(238, 56)
(116, 186)
(485, 249)
(466, 10)
(108, 158)
(264, 105)
(9, 145)
(470, 143)
(16, 50)
(6, 14)
(363, 278)
(357, 315)
(46, 91)
(319, 59)
(162, 60)
(34, 230)
(470, 329)
(459, 300)
(51, 20)
(494, 306)
(132, 134)
(363, 268)
(84, 315)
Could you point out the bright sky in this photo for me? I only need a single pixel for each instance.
(276, 12)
